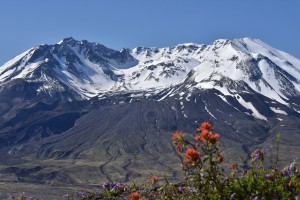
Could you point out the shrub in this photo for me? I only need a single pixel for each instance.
(205, 178)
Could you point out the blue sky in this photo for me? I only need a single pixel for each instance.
(130, 23)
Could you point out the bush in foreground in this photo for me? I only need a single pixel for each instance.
(205, 179)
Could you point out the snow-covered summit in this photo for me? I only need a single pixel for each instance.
(246, 65)
(88, 69)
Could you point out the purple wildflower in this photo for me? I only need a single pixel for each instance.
(117, 186)
(180, 189)
(24, 195)
(66, 196)
(11, 196)
(292, 166)
(297, 197)
(232, 196)
(285, 173)
(130, 178)
(106, 186)
(256, 198)
(268, 176)
(287, 187)
(80, 194)
(256, 155)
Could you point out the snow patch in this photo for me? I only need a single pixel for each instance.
(249, 106)
(224, 99)
(209, 112)
(278, 111)
(187, 98)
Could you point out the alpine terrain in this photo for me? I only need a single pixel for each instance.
(77, 113)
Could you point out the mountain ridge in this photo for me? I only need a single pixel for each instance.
(90, 69)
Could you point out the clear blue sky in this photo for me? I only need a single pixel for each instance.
(130, 23)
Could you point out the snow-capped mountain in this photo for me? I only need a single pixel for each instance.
(83, 70)
(109, 113)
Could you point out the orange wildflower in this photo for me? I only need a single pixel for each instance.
(135, 196)
(153, 179)
(191, 156)
(178, 137)
(232, 165)
(197, 137)
(213, 138)
(179, 147)
(208, 137)
(205, 135)
(220, 159)
(205, 126)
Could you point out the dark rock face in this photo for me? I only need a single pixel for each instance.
(125, 134)
(251, 68)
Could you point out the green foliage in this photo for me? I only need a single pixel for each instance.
(114, 193)
(112, 190)
(205, 179)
